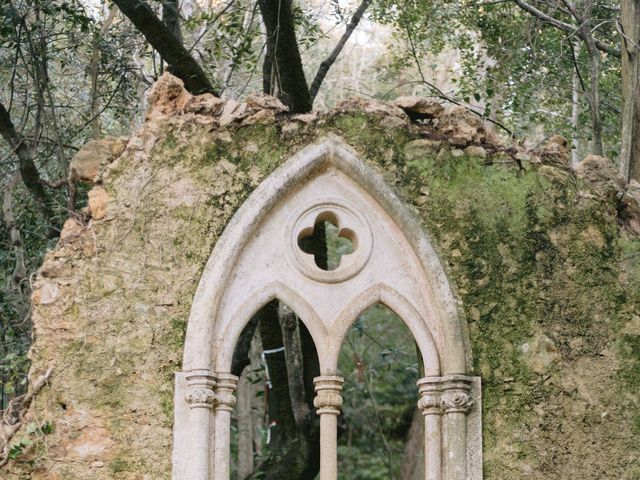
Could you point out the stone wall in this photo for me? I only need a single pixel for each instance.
(545, 260)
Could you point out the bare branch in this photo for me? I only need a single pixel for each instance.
(28, 170)
(330, 60)
(181, 62)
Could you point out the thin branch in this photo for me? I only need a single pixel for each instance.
(566, 27)
(210, 24)
(10, 425)
(330, 60)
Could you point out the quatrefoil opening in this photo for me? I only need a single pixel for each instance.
(327, 241)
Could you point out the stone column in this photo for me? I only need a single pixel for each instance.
(328, 402)
(225, 403)
(456, 403)
(201, 398)
(430, 405)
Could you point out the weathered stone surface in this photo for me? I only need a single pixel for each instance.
(421, 200)
(376, 107)
(540, 353)
(629, 207)
(419, 108)
(260, 101)
(47, 294)
(98, 202)
(461, 126)
(475, 151)
(234, 111)
(88, 164)
(421, 147)
(92, 444)
(205, 104)
(167, 96)
(557, 147)
(263, 117)
(523, 156)
(394, 122)
(305, 117)
(633, 326)
(71, 229)
(601, 174)
(290, 129)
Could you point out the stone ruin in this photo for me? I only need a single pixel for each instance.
(511, 271)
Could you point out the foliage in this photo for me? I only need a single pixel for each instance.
(380, 367)
(512, 66)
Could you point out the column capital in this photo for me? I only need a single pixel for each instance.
(225, 386)
(456, 394)
(430, 402)
(200, 389)
(328, 398)
(446, 394)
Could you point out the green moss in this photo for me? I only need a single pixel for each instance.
(629, 373)
(529, 254)
(118, 465)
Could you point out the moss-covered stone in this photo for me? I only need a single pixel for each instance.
(531, 255)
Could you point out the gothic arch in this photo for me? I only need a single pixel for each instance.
(255, 301)
(257, 259)
(386, 295)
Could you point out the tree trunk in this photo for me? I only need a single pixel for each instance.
(289, 76)
(181, 62)
(28, 170)
(413, 459)
(630, 151)
(287, 447)
(575, 118)
(594, 95)
(171, 18)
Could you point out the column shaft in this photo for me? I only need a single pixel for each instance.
(433, 447)
(456, 403)
(200, 397)
(328, 402)
(328, 447)
(225, 403)
(430, 404)
(456, 445)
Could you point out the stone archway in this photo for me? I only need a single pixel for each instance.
(258, 259)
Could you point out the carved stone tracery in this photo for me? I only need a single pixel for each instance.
(257, 260)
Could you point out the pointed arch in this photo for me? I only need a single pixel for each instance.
(331, 151)
(257, 259)
(257, 299)
(387, 296)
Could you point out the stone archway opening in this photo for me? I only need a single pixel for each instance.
(381, 365)
(259, 258)
(272, 425)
